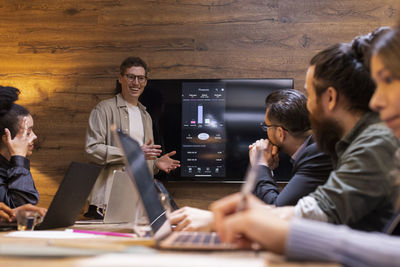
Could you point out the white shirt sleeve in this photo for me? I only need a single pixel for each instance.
(307, 207)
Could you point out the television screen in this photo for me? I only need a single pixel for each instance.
(210, 123)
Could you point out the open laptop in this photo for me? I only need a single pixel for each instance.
(161, 189)
(120, 207)
(69, 199)
(163, 234)
(71, 196)
(123, 198)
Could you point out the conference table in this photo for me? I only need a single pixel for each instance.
(34, 249)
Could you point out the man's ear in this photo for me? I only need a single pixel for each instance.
(281, 134)
(332, 97)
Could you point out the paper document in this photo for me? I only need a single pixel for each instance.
(33, 250)
(51, 234)
(177, 260)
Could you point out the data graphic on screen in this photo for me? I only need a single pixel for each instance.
(203, 130)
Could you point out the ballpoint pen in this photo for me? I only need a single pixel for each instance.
(251, 179)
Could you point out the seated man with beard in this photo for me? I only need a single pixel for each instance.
(360, 191)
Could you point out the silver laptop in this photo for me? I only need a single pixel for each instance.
(122, 203)
(139, 173)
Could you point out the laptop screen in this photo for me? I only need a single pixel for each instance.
(140, 175)
(71, 195)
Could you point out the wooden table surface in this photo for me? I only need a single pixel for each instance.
(109, 244)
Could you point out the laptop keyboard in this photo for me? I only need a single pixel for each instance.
(8, 226)
(197, 238)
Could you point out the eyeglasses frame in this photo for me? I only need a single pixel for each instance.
(265, 127)
(133, 77)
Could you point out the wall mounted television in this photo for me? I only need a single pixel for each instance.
(210, 123)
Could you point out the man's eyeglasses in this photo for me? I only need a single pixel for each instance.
(265, 127)
(132, 78)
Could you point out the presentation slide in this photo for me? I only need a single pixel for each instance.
(203, 130)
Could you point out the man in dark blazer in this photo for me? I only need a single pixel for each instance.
(288, 128)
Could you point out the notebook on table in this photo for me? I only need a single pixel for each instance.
(139, 173)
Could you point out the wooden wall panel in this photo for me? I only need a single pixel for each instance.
(64, 56)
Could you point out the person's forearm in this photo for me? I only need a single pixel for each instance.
(270, 233)
(266, 189)
(267, 192)
(316, 241)
(19, 185)
(103, 154)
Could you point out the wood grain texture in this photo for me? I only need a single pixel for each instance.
(200, 195)
(64, 56)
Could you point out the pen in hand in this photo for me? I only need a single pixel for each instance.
(251, 180)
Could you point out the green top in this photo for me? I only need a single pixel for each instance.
(360, 191)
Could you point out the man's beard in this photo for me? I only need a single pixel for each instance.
(273, 143)
(327, 132)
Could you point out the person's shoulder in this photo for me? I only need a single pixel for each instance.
(106, 103)
(379, 132)
(311, 146)
(377, 127)
(104, 108)
(312, 150)
(376, 140)
(143, 109)
(312, 157)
